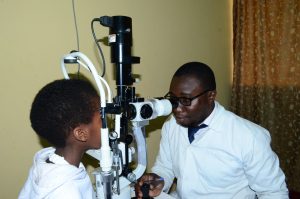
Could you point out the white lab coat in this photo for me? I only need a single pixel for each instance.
(56, 181)
(231, 158)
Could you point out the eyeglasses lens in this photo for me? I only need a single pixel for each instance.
(174, 102)
(184, 101)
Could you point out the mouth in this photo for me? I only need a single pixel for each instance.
(182, 121)
(180, 117)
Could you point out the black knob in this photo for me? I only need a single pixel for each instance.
(146, 111)
(145, 190)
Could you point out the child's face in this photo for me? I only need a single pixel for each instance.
(94, 129)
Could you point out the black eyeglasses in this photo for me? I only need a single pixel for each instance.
(185, 101)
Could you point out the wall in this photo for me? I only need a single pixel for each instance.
(35, 34)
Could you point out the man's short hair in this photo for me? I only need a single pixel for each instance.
(62, 105)
(201, 71)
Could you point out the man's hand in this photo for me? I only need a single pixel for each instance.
(154, 182)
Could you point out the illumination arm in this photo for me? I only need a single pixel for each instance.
(87, 64)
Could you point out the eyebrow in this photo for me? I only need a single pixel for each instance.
(181, 94)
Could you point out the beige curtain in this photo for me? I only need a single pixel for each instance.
(266, 80)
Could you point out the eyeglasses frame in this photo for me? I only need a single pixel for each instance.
(167, 96)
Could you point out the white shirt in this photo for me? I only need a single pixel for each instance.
(231, 158)
(56, 181)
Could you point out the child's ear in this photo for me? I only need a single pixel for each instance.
(80, 134)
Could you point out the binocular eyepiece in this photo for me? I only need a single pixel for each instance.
(150, 109)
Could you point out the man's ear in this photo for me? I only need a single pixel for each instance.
(80, 134)
(212, 95)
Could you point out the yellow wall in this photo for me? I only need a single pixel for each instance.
(36, 33)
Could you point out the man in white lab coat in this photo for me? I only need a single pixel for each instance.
(213, 153)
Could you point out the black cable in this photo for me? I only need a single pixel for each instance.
(77, 35)
(98, 46)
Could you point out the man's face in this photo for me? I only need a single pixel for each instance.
(200, 108)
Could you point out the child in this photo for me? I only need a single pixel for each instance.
(66, 114)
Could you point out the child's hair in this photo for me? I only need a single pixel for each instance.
(61, 106)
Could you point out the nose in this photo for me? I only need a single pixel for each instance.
(175, 104)
(178, 107)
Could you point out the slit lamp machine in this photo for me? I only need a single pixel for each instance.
(114, 178)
